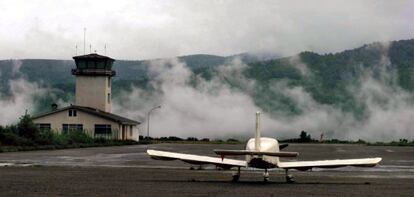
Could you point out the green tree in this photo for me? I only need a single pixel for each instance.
(304, 137)
(27, 128)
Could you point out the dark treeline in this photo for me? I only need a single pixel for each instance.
(187, 140)
(304, 137)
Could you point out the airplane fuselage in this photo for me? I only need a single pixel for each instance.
(262, 161)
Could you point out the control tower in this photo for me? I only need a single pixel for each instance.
(93, 81)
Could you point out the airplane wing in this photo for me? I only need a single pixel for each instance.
(305, 165)
(196, 159)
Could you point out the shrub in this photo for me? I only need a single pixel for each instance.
(101, 140)
(233, 140)
(13, 139)
(148, 138)
(361, 141)
(45, 137)
(27, 128)
(192, 139)
(174, 138)
(60, 139)
(78, 137)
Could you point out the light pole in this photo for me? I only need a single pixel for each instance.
(148, 118)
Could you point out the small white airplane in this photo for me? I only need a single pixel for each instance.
(262, 153)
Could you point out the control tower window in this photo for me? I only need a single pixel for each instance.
(100, 65)
(82, 64)
(109, 97)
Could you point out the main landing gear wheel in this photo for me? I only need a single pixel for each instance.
(236, 176)
(266, 177)
(289, 178)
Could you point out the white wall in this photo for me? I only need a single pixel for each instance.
(87, 120)
(92, 91)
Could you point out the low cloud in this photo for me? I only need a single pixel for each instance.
(212, 108)
(194, 106)
(20, 95)
(20, 99)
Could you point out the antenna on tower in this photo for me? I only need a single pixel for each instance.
(84, 40)
(90, 48)
(76, 49)
(105, 48)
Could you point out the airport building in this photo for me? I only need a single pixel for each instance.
(92, 110)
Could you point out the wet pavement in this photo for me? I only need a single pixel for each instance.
(129, 172)
(395, 159)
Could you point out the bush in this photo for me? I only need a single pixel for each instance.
(231, 140)
(148, 138)
(361, 141)
(174, 138)
(12, 139)
(60, 139)
(78, 137)
(27, 128)
(45, 137)
(100, 140)
(192, 139)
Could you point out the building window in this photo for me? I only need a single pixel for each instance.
(81, 64)
(43, 126)
(109, 97)
(72, 113)
(66, 128)
(91, 64)
(100, 65)
(103, 130)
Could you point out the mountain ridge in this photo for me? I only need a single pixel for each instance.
(326, 77)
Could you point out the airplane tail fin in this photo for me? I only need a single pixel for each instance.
(257, 134)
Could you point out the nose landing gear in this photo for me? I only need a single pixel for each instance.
(266, 176)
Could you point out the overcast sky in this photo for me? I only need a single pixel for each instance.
(154, 29)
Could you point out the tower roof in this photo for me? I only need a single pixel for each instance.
(93, 65)
(92, 56)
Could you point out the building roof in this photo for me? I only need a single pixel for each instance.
(92, 56)
(93, 111)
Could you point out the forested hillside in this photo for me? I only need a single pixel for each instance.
(330, 79)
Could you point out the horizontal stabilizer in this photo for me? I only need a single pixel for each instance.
(282, 146)
(248, 152)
